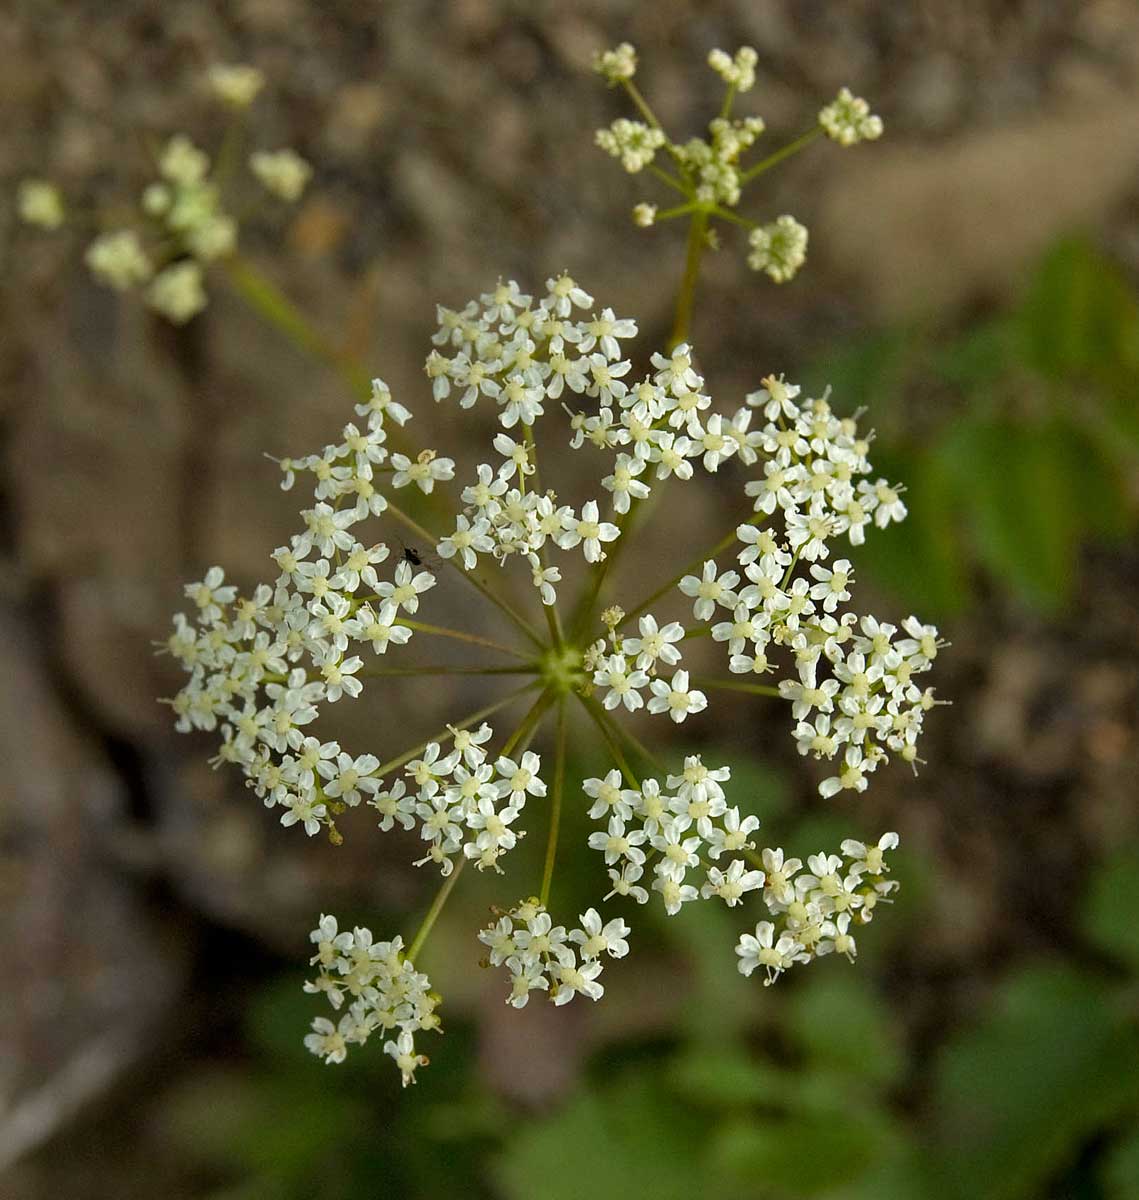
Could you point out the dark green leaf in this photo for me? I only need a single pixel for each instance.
(1109, 917)
(1052, 1063)
(843, 1026)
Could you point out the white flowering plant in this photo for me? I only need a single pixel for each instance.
(708, 174)
(771, 599)
(264, 667)
(188, 217)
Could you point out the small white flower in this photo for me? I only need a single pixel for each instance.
(624, 685)
(282, 172)
(848, 120)
(596, 939)
(573, 978)
(617, 843)
(119, 260)
(39, 203)
(235, 84)
(676, 698)
(177, 292)
(778, 249)
(466, 539)
(519, 778)
(588, 531)
(655, 644)
(762, 950)
(616, 64)
(730, 885)
(711, 589)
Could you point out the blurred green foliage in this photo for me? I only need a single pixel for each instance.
(1017, 439)
(813, 1095)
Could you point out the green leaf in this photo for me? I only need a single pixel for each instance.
(1109, 914)
(803, 1156)
(870, 372)
(1020, 491)
(979, 357)
(722, 1004)
(920, 561)
(1120, 1172)
(843, 1026)
(725, 1077)
(1016, 1096)
(1080, 315)
(631, 1139)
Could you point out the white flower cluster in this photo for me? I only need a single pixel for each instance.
(737, 72)
(848, 120)
(708, 171)
(282, 172)
(542, 956)
(685, 829)
(626, 666)
(39, 203)
(618, 64)
(813, 911)
(713, 163)
(521, 354)
(778, 249)
(384, 991)
(462, 801)
(188, 221)
(633, 142)
(184, 224)
(235, 84)
(789, 594)
(261, 666)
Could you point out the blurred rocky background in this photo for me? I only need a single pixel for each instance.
(971, 282)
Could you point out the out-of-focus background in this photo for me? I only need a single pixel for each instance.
(971, 283)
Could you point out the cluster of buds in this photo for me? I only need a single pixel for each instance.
(185, 220)
(708, 171)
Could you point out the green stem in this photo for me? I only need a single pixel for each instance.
(773, 159)
(448, 732)
(726, 107)
(734, 685)
(269, 302)
(381, 672)
(473, 638)
(692, 565)
(681, 210)
(555, 802)
(599, 717)
(641, 103)
(686, 296)
(726, 214)
(669, 180)
(433, 912)
(475, 582)
(530, 722)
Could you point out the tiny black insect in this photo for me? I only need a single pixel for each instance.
(411, 555)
